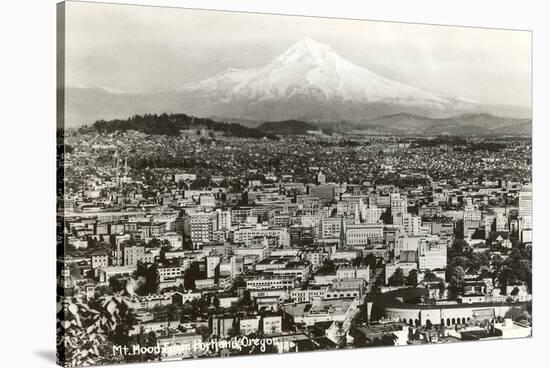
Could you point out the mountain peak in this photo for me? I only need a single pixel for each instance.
(310, 44)
(307, 50)
(309, 80)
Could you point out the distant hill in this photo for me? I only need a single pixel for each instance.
(525, 128)
(401, 123)
(462, 125)
(290, 127)
(172, 124)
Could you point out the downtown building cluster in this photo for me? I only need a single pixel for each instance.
(294, 253)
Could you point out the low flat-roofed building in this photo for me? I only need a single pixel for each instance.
(249, 324)
(182, 298)
(115, 271)
(297, 270)
(333, 293)
(266, 283)
(511, 330)
(308, 294)
(326, 279)
(348, 255)
(260, 252)
(169, 272)
(153, 326)
(320, 311)
(367, 335)
(348, 283)
(180, 345)
(267, 303)
(152, 300)
(272, 263)
(205, 284)
(280, 294)
(272, 324)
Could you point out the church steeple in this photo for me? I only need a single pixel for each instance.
(342, 239)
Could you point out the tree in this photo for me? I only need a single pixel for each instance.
(216, 301)
(459, 248)
(478, 260)
(87, 332)
(154, 243)
(441, 288)
(378, 282)
(384, 340)
(327, 267)
(200, 183)
(518, 314)
(397, 279)
(456, 280)
(370, 260)
(187, 242)
(429, 276)
(515, 269)
(204, 331)
(232, 332)
(150, 340)
(171, 312)
(239, 281)
(412, 278)
(191, 274)
(461, 261)
(152, 281)
(115, 284)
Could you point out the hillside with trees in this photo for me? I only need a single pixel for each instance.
(172, 124)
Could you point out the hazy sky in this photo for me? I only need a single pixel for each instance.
(131, 48)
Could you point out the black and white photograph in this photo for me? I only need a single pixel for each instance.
(275, 183)
(232, 184)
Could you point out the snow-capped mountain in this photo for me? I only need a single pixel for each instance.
(308, 82)
(311, 82)
(310, 69)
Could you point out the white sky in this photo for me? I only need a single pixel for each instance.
(127, 47)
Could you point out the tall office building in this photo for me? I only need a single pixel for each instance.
(526, 201)
(398, 205)
(132, 255)
(471, 213)
(223, 219)
(212, 263)
(200, 226)
(412, 224)
(432, 255)
(525, 215)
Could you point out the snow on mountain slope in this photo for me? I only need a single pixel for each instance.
(314, 70)
(308, 82)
